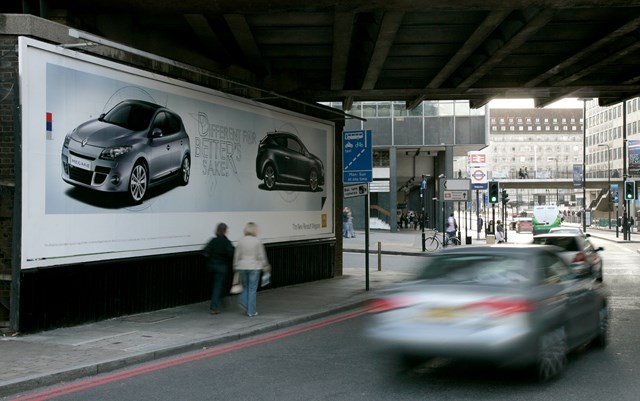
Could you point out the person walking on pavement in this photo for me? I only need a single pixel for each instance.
(499, 232)
(249, 259)
(452, 226)
(219, 254)
(345, 222)
(352, 231)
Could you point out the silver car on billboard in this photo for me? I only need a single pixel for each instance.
(134, 146)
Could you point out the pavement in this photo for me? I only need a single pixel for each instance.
(31, 361)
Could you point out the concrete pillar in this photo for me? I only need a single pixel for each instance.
(393, 189)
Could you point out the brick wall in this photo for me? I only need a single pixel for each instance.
(8, 97)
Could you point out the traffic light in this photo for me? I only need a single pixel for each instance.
(629, 190)
(494, 192)
(505, 197)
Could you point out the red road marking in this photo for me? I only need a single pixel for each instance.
(152, 367)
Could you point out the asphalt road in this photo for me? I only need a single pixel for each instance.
(330, 360)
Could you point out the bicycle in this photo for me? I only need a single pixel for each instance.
(434, 242)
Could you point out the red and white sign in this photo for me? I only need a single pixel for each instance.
(476, 159)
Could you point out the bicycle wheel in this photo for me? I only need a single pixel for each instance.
(431, 244)
(454, 241)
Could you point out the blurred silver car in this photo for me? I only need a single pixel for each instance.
(511, 306)
(134, 146)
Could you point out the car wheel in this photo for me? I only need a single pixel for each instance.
(552, 355)
(138, 182)
(185, 170)
(313, 180)
(601, 339)
(269, 176)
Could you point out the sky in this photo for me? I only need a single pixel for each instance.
(569, 103)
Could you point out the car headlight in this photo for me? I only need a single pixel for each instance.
(67, 139)
(114, 152)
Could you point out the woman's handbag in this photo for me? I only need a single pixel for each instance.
(236, 285)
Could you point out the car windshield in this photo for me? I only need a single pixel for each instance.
(478, 269)
(133, 116)
(566, 243)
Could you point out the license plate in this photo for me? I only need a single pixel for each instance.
(442, 313)
(80, 163)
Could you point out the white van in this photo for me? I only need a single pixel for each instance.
(544, 218)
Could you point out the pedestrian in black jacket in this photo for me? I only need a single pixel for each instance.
(219, 254)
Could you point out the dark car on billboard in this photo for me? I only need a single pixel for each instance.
(283, 159)
(134, 146)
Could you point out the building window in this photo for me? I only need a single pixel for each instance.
(380, 158)
(445, 108)
(462, 108)
(369, 110)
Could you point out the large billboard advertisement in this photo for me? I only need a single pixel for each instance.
(118, 162)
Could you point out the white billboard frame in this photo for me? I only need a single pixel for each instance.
(60, 89)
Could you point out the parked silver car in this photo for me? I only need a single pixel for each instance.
(576, 249)
(512, 306)
(132, 147)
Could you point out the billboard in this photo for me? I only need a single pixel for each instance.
(633, 151)
(118, 162)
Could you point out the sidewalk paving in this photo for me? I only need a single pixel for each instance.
(34, 360)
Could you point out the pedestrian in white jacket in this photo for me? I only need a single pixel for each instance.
(249, 260)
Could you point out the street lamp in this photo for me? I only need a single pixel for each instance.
(608, 179)
(557, 184)
(584, 161)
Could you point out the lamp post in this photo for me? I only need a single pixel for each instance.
(557, 184)
(608, 179)
(584, 161)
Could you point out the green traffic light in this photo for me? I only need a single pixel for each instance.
(630, 190)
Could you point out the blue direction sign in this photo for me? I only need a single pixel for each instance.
(357, 156)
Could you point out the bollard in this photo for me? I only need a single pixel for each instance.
(379, 256)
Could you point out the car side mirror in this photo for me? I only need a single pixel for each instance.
(156, 133)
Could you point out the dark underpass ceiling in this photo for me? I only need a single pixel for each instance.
(365, 50)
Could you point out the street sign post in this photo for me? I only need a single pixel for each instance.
(455, 195)
(357, 157)
(455, 189)
(357, 167)
(356, 190)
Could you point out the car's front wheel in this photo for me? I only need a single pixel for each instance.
(138, 182)
(313, 180)
(552, 355)
(185, 170)
(603, 328)
(269, 176)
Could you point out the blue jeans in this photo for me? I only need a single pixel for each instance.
(218, 287)
(250, 280)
